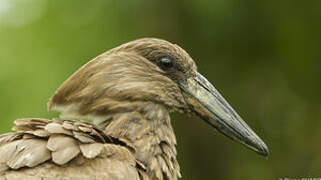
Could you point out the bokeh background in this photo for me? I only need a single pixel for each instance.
(264, 56)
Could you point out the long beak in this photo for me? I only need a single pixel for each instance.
(208, 103)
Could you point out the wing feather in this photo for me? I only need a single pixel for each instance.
(63, 149)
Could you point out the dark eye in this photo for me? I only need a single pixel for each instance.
(166, 62)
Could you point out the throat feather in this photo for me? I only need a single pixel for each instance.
(150, 132)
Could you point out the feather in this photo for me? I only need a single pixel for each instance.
(82, 137)
(29, 152)
(55, 128)
(91, 151)
(63, 148)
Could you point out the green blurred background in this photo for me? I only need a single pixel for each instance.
(264, 56)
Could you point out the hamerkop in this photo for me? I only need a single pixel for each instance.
(115, 121)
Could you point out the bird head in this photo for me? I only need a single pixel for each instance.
(148, 71)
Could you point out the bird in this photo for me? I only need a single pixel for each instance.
(115, 121)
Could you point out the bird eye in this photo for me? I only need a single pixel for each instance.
(166, 62)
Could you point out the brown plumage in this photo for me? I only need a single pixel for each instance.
(126, 94)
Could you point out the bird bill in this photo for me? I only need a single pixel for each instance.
(205, 101)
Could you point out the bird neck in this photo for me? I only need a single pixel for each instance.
(148, 130)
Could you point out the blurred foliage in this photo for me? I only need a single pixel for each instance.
(264, 56)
